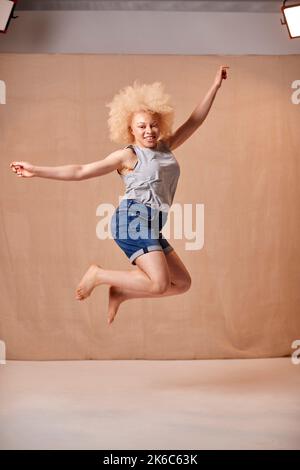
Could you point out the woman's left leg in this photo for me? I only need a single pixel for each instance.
(180, 283)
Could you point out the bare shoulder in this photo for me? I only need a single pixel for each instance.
(122, 155)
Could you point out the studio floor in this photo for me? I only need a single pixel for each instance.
(137, 404)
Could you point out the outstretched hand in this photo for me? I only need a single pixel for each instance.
(23, 169)
(221, 75)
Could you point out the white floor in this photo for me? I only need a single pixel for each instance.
(207, 404)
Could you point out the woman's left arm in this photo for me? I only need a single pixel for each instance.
(200, 112)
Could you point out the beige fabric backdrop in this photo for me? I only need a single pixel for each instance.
(242, 165)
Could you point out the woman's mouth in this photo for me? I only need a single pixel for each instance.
(149, 138)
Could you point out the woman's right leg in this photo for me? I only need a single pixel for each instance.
(154, 278)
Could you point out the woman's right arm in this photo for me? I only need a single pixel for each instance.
(72, 172)
(28, 170)
(112, 162)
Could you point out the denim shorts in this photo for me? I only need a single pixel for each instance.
(136, 228)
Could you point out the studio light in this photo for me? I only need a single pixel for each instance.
(291, 15)
(6, 13)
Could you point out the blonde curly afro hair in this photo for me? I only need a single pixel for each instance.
(137, 98)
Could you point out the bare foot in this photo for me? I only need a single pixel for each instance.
(90, 280)
(115, 298)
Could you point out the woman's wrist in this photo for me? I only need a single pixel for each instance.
(36, 170)
(43, 171)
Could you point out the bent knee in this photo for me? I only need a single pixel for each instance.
(160, 287)
(185, 284)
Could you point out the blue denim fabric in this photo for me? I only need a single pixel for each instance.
(136, 228)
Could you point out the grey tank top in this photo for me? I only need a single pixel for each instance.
(153, 180)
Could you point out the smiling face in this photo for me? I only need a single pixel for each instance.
(145, 128)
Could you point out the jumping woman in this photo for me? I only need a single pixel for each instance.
(142, 118)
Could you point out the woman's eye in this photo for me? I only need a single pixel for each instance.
(154, 125)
